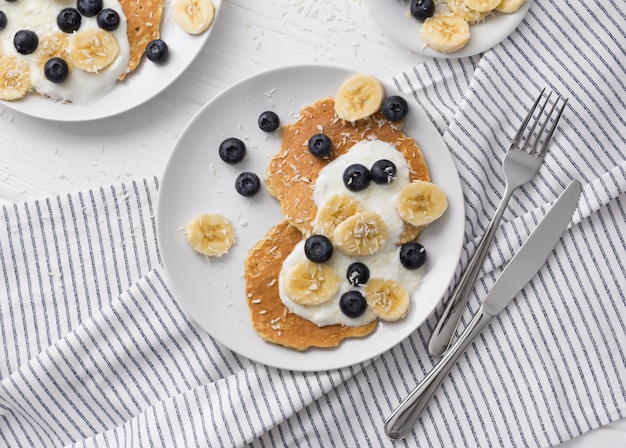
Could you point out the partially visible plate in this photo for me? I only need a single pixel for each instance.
(197, 181)
(147, 81)
(394, 18)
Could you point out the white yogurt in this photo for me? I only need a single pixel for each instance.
(40, 16)
(384, 264)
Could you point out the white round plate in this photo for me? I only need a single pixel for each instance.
(147, 81)
(394, 18)
(197, 181)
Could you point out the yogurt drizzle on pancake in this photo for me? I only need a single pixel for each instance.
(384, 264)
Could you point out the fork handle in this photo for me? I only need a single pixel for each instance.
(445, 328)
(404, 417)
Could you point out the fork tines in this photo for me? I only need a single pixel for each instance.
(541, 113)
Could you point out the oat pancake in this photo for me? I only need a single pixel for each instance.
(292, 172)
(270, 318)
(144, 24)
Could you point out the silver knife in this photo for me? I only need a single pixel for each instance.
(522, 267)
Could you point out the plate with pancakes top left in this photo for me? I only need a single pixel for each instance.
(196, 181)
(94, 100)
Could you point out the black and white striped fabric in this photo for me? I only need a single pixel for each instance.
(97, 352)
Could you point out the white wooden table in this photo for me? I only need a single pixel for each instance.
(41, 158)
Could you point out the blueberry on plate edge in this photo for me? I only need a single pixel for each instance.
(232, 150)
(268, 121)
(247, 184)
(157, 51)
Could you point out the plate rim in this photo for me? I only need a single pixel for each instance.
(346, 71)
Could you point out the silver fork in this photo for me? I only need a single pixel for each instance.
(521, 163)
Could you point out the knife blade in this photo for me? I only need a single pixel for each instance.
(517, 273)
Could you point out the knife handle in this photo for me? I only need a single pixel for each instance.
(441, 337)
(404, 417)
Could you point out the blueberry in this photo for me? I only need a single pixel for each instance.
(320, 145)
(108, 19)
(232, 150)
(357, 274)
(352, 304)
(89, 8)
(422, 9)
(247, 184)
(269, 121)
(395, 108)
(56, 70)
(383, 172)
(25, 41)
(412, 255)
(318, 248)
(356, 177)
(69, 20)
(3, 20)
(157, 51)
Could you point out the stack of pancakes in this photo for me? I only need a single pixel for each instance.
(291, 177)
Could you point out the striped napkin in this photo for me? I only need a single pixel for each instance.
(97, 351)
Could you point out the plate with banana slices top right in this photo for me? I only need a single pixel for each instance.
(449, 28)
(310, 217)
(80, 60)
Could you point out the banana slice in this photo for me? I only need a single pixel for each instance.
(359, 97)
(409, 233)
(193, 16)
(388, 298)
(210, 234)
(420, 203)
(53, 45)
(15, 79)
(482, 5)
(93, 50)
(310, 283)
(460, 8)
(445, 32)
(361, 234)
(509, 6)
(336, 209)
